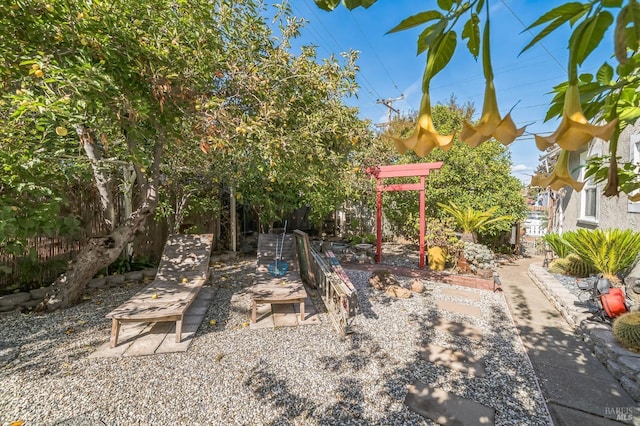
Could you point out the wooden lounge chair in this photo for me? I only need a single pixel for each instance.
(182, 272)
(272, 289)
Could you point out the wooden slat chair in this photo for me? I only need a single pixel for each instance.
(276, 290)
(182, 272)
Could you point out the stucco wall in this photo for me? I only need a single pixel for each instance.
(613, 211)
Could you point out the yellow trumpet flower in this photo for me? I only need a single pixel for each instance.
(425, 137)
(575, 131)
(491, 124)
(559, 177)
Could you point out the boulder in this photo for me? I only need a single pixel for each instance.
(417, 286)
(97, 282)
(115, 279)
(381, 279)
(397, 291)
(149, 272)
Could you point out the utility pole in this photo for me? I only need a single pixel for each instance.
(389, 104)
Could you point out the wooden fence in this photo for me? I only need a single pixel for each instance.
(49, 255)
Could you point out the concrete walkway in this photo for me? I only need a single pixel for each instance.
(577, 387)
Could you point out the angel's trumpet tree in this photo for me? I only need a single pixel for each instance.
(575, 131)
(491, 124)
(559, 177)
(425, 137)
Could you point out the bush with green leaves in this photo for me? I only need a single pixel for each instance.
(557, 244)
(440, 233)
(609, 251)
(471, 221)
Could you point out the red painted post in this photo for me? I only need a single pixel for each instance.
(401, 170)
(422, 230)
(378, 223)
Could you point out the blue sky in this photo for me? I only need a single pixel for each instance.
(389, 66)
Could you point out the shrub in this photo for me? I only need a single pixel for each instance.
(479, 256)
(609, 251)
(471, 221)
(439, 233)
(557, 244)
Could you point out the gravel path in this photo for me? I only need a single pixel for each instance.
(232, 375)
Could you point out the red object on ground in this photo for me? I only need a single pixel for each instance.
(613, 302)
(420, 170)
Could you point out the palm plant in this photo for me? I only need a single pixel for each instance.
(470, 221)
(609, 251)
(557, 244)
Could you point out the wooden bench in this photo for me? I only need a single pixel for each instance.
(182, 272)
(276, 290)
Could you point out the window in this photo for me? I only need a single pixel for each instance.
(589, 197)
(635, 159)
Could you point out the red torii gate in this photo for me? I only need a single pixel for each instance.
(402, 170)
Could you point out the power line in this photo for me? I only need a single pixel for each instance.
(340, 48)
(530, 32)
(369, 89)
(375, 54)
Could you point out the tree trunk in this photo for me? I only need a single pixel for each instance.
(468, 237)
(99, 253)
(102, 179)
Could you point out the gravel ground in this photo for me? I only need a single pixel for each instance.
(232, 375)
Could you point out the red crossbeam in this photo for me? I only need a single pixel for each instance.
(420, 170)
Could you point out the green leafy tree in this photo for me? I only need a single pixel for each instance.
(478, 178)
(108, 85)
(178, 99)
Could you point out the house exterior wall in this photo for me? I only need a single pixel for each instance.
(612, 212)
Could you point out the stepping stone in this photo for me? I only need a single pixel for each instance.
(264, 319)
(456, 360)
(446, 408)
(128, 334)
(310, 313)
(459, 308)
(454, 292)
(138, 339)
(147, 342)
(456, 328)
(284, 315)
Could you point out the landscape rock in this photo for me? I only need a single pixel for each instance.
(417, 286)
(39, 293)
(97, 282)
(149, 272)
(14, 299)
(133, 276)
(115, 279)
(381, 279)
(397, 291)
